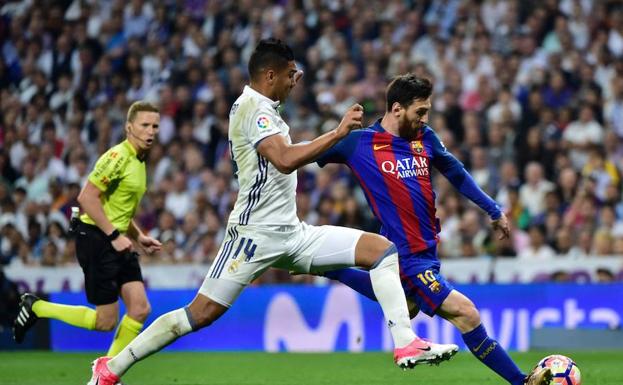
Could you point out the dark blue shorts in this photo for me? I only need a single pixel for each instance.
(422, 282)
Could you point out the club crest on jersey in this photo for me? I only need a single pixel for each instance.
(263, 123)
(233, 267)
(435, 287)
(414, 166)
(417, 146)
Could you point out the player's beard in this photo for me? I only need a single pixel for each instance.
(409, 130)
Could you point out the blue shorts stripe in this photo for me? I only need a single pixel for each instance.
(231, 247)
(223, 256)
(218, 259)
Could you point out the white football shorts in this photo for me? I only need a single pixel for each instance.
(247, 251)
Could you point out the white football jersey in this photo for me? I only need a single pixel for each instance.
(265, 196)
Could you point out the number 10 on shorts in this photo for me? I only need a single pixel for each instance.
(426, 278)
(429, 279)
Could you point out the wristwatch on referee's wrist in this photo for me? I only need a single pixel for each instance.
(114, 235)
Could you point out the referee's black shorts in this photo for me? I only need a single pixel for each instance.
(105, 269)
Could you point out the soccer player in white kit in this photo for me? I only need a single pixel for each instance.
(263, 229)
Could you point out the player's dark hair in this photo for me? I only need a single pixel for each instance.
(270, 53)
(405, 89)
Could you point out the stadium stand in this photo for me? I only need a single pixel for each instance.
(528, 94)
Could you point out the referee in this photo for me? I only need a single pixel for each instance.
(103, 246)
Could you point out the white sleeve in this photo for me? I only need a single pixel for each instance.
(262, 125)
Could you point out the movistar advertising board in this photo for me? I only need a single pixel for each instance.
(335, 318)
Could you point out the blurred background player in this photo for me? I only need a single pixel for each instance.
(264, 230)
(392, 161)
(104, 250)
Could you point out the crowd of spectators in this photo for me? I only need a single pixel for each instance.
(528, 95)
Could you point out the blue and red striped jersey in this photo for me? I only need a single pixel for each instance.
(396, 177)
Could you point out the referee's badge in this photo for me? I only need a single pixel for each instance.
(263, 122)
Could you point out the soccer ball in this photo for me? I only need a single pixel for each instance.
(564, 370)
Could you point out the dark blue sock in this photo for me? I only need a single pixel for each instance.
(358, 280)
(492, 354)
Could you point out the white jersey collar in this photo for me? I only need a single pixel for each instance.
(250, 91)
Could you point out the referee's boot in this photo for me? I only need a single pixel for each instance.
(26, 318)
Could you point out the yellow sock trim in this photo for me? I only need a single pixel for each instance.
(127, 330)
(79, 316)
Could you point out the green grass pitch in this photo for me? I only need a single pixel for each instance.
(46, 368)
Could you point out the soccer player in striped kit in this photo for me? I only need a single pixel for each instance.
(393, 160)
(263, 229)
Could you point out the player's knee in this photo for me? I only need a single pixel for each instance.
(387, 257)
(470, 315)
(146, 310)
(203, 318)
(371, 249)
(203, 313)
(203, 321)
(140, 312)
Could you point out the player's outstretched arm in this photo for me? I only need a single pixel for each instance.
(288, 157)
(458, 176)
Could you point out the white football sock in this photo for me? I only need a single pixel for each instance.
(388, 290)
(166, 329)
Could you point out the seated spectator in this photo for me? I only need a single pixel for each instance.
(564, 244)
(604, 275)
(560, 277)
(532, 193)
(537, 248)
(602, 171)
(602, 243)
(581, 135)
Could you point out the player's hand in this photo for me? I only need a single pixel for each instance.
(351, 121)
(151, 245)
(122, 243)
(501, 225)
